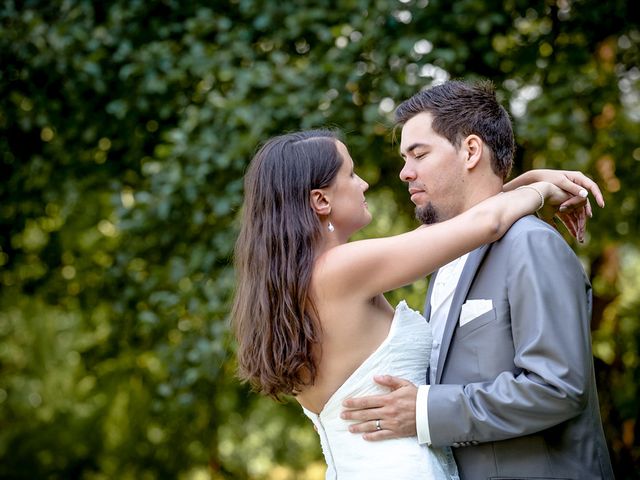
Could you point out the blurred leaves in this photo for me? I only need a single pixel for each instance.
(126, 128)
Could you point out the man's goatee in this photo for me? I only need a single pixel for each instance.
(427, 215)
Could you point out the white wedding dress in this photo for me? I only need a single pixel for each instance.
(404, 353)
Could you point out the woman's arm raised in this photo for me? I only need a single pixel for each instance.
(369, 267)
(577, 209)
(571, 181)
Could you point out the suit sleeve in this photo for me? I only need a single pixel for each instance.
(550, 303)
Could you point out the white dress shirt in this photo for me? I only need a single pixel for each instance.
(446, 281)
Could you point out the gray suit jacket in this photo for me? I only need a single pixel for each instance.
(515, 387)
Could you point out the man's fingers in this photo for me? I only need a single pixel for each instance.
(371, 432)
(370, 426)
(393, 383)
(375, 401)
(381, 435)
(364, 415)
(363, 403)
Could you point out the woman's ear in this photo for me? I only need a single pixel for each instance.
(320, 202)
(474, 147)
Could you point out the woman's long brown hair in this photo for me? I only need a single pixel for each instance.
(273, 316)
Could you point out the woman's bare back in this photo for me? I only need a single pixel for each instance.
(352, 329)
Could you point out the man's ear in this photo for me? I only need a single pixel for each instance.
(320, 202)
(474, 147)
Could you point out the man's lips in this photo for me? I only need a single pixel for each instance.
(415, 193)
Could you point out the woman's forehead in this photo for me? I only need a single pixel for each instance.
(344, 152)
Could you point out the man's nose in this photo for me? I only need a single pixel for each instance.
(407, 174)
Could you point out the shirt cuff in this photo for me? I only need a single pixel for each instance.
(422, 415)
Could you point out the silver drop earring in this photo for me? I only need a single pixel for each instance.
(331, 227)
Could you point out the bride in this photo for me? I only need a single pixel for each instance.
(309, 312)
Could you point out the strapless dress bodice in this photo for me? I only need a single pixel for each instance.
(404, 353)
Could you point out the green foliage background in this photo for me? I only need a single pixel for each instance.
(125, 128)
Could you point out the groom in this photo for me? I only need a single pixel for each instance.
(511, 384)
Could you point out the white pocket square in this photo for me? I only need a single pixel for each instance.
(473, 309)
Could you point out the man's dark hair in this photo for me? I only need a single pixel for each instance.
(460, 109)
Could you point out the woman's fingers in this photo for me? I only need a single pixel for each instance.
(576, 203)
(580, 181)
(575, 221)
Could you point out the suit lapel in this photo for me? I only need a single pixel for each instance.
(427, 302)
(464, 284)
(427, 314)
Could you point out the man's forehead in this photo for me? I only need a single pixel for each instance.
(419, 122)
(415, 131)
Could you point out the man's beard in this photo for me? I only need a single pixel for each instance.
(428, 214)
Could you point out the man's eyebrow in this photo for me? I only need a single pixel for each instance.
(412, 147)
